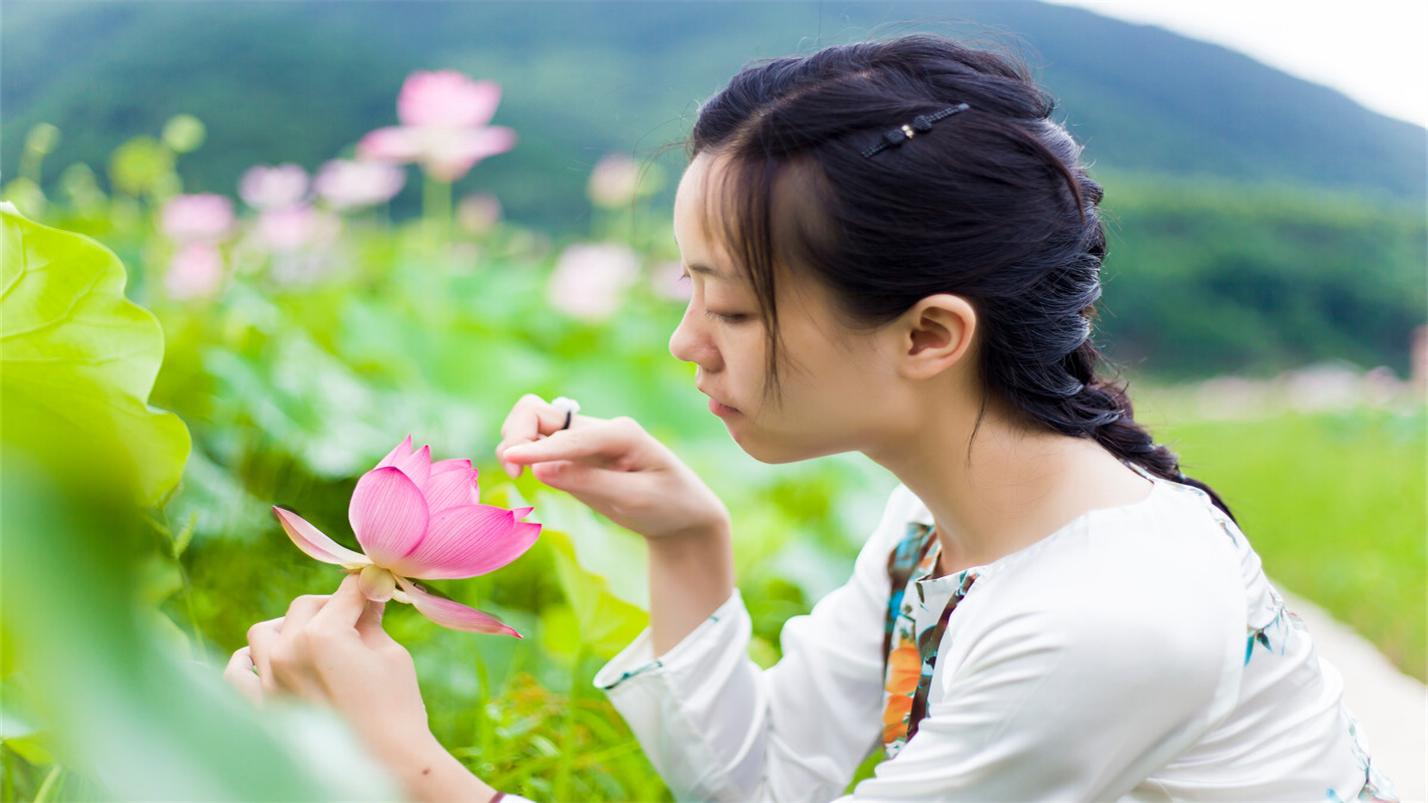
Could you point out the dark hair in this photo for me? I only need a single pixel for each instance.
(992, 205)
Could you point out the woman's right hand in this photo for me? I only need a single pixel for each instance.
(614, 467)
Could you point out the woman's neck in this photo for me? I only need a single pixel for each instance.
(1011, 489)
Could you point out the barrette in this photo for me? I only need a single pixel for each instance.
(920, 124)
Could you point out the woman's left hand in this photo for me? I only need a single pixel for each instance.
(332, 650)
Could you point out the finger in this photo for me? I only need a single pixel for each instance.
(341, 611)
(607, 439)
(243, 675)
(261, 638)
(588, 482)
(531, 418)
(369, 624)
(301, 610)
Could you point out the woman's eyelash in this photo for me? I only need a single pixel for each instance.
(727, 317)
(732, 317)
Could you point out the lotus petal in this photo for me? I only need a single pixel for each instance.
(446, 98)
(415, 464)
(448, 155)
(468, 541)
(450, 489)
(391, 144)
(453, 614)
(388, 514)
(453, 464)
(317, 545)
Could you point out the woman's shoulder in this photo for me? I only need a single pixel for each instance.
(1153, 561)
(1125, 591)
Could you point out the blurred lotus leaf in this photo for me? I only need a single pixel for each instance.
(79, 361)
(140, 166)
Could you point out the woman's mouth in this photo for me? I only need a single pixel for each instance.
(721, 410)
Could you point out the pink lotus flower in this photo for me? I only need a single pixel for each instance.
(590, 279)
(667, 280)
(478, 213)
(204, 217)
(614, 182)
(276, 187)
(196, 271)
(416, 518)
(346, 184)
(444, 116)
(294, 227)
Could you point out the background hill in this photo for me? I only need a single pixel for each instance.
(299, 81)
(1190, 128)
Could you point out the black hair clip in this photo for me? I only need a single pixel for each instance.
(920, 124)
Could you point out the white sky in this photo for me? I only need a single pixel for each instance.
(1374, 51)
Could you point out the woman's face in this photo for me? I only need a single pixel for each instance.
(839, 388)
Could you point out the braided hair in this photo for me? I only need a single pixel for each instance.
(992, 205)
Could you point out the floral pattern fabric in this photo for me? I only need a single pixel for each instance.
(919, 608)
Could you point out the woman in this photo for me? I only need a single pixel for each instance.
(894, 250)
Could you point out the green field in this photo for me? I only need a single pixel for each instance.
(1334, 505)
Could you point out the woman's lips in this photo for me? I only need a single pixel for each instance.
(721, 409)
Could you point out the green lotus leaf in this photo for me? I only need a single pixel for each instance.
(77, 362)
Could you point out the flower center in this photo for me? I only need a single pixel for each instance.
(376, 583)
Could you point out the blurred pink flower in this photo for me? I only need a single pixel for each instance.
(348, 184)
(296, 227)
(590, 279)
(204, 217)
(416, 518)
(478, 212)
(276, 187)
(444, 116)
(196, 271)
(615, 181)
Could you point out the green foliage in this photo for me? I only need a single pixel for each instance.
(79, 360)
(1217, 276)
(100, 695)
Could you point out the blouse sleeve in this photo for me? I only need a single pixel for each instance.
(718, 727)
(1075, 691)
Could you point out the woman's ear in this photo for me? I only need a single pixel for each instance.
(935, 334)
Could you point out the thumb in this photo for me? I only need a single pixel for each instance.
(369, 624)
(344, 606)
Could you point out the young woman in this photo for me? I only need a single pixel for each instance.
(895, 250)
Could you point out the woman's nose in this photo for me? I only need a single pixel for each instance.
(690, 343)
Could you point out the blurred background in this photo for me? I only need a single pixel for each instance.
(325, 271)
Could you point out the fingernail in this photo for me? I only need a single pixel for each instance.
(513, 470)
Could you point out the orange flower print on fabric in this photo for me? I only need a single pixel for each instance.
(919, 607)
(904, 670)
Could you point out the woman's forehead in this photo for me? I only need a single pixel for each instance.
(699, 227)
(707, 219)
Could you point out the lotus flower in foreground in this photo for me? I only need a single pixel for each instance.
(416, 518)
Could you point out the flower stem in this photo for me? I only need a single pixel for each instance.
(436, 205)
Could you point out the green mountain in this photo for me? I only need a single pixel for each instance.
(300, 81)
(1257, 221)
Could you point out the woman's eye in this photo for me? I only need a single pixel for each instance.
(727, 317)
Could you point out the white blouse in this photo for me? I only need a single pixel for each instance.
(1137, 653)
